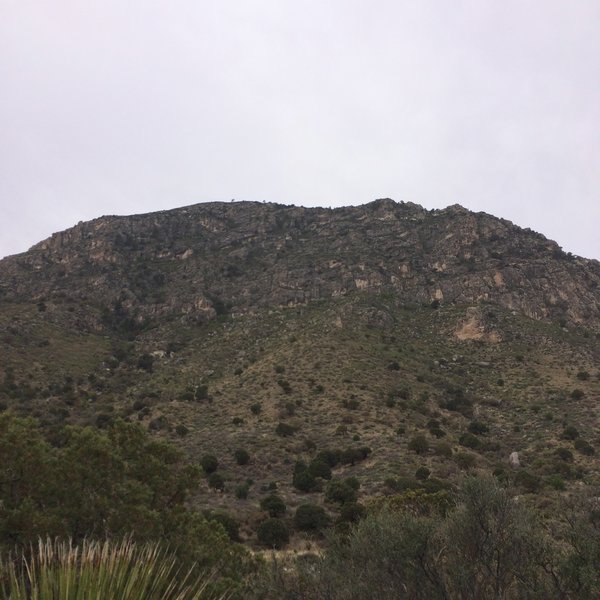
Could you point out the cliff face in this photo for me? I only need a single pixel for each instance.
(196, 262)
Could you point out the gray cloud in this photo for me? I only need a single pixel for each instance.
(126, 107)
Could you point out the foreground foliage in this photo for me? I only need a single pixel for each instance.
(99, 570)
(490, 546)
(85, 483)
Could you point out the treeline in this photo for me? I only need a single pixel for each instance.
(489, 546)
(85, 483)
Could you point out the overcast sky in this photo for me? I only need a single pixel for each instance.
(129, 106)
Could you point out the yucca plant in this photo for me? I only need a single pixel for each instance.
(94, 570)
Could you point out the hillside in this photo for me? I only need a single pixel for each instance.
(398, 337)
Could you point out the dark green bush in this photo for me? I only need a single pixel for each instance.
(340, 491)
(310, 517)
(241, 456)
(570, 433)
(584, 447)
(478, 428)
(274, 505)
(285, 430)
(273, 533)
(468, 440)
(319, 468)
(216, 482)
(419, 444)
(422, 473)
(209, 463)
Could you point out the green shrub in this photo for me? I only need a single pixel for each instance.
(570, 433)
(340, 491)
(256, 408)
(303, 480)
(285, 430)
(216, 481)
(181, 430)
(468, 440)
(241, 491)
(230, 525)
(319, 468)
(527, 481)
(564, 454)
(422, 473)
(310, 517)
(241, 456)
(209, 463)
(478, 428)
(352, 512)
(273, 533)
(577, 394)
(465, 460)
(331, 457)
(274, 505)
(584, 447)
(419, 444)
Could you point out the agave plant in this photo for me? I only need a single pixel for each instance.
(94, 570)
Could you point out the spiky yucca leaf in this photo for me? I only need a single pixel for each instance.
(59, 570)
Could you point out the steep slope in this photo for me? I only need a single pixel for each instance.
(287, 331)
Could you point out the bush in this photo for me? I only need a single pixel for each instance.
(564, 454)
(216, 482)
(577, 394)
(285, 430)
(465, 460)
(310, 517)
(256, 408)
(331, 457)
(570, 433)
(230, 525)
(422, 473)
(340, 491)
(241, 457)
(584, 447)
(478, 428)
(241, 491)
(352, 512)
(181, 430)
(419, 444)
(274, 505)
(303, 480)
(527, 481)
(319, 468)
(209, 463)
(468, 440)
(583, 375)
(273, 533)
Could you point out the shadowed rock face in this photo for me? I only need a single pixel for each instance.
(196, 262)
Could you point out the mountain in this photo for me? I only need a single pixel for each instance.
(394, 336)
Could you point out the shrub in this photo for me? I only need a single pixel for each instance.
(556, 482)
(230, 525)
(465, 460)
(443, 449)
(285, 430)
(319, 468)
(146, 363)
(273, 533)
(274, 505)
(241, 457)
(583, 375)
(216, 482)
(419, 444)
(422, 473)
(570, 433)
(209, 463)
(584, 447)
(468, 440)
(285, 386)
(527, 481)
(331, 457)
(564, 454)
(577, 394)
(303, 480)
(181, 430)
(478, 428)
(352, 512)
(393, 366)
(340, 491)
(241, 491)
(310, 517)
(255, 408)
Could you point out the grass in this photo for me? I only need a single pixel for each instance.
(94, 570)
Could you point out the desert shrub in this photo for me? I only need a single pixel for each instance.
(241, 456)
(273, 533)
(419, 444)
(310, 517)
(319, 468)
(583, 375)
(556, 482)
(564, 454)
(478, 428)
(216, 482)
(570, 433)
(285, 429)
(443, 449)
(279, 369)
(274, 505)
(229, 524)
(350, 404)
(422, 473)
(584, 447)
(340, 491)
(528, 482)
(465, 460)
(255, 408)
(577, 394)
(241, 491)
(146, 363)
(393, 366)
(303, 480)
(285, 386)
(352, 512)
(331, 457)
(209, 463)
(181, 430)
(468, 440)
